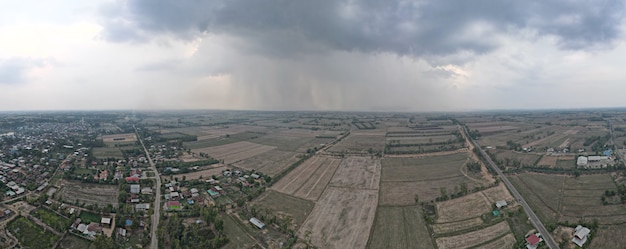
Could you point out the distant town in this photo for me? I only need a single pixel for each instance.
(252, 179)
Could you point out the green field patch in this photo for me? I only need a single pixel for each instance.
(295, 207)
(30, 235)
(52, 219)
(239, 137)
(400, 227)
(87, 217)
(71, 241)
(107, 152)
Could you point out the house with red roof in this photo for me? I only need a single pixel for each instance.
(173, 205)
(132, 179)
(533, 241)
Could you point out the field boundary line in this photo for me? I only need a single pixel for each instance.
(296, 177)
(320, 178)
(492, 240)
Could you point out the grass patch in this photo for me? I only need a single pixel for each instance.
(107, 152)
(30, 235)
(239, 137)
(71, 241)
(87, 217)
(298, 208)
(52, 219)
(237, 236)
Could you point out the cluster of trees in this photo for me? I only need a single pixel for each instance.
(460, 190)
(513, 146)
(621, 193)
(175, 234)
(473, 166)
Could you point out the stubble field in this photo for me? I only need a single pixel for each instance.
(309, 180)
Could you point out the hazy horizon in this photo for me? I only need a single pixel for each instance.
(398, 56)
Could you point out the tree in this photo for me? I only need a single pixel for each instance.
(103, 242)
(417, 199)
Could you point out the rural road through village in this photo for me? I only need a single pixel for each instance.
(531, 215)
(154, 243)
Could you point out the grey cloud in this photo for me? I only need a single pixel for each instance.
(282, 27)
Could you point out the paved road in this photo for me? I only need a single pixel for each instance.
(531, 215)
(154, 244)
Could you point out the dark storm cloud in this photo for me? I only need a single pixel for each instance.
(417, 28)
(13, 70)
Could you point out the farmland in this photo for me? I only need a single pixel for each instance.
(201, 174)
(400, 227)
(474, 238)
(465, 212)
(344, 214)
(97, 194)
(235, 152)
(357, 172)
(607, 237)
(342, 218)
(293, 140)
(569, 198)
(270, 163)
(107, 152)
(119, 138)
(227, 139)
(404, 177)
(309, 180)
(284, 204)
(360, 143)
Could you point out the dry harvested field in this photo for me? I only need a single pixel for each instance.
(506, 241)
(292, 143)
(609, 237)
(553, 161)
(548, 161)
(342, 218)
(455, 226)
(424, 168)
(404, 177)
(541, 191)
(271, 163)
(360, 143)
(569, 198)
(524, 158)
(420, 139)
(284, 204)
(98, 194)
(202, 132)
(498, 193)
(309, 180)
(400, 227)
(235, 152)
(205, 174)
(474, 238)
(357, 172)
(119, 138)
(104, 153)
(344, 214)
(469, 206)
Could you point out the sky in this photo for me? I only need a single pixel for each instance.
(329, 55)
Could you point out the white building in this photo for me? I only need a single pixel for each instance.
(580, 235)
(582, 161)
(257, 223)
(501, 204)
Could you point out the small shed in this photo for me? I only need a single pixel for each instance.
(256, 222)
(501, 204)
